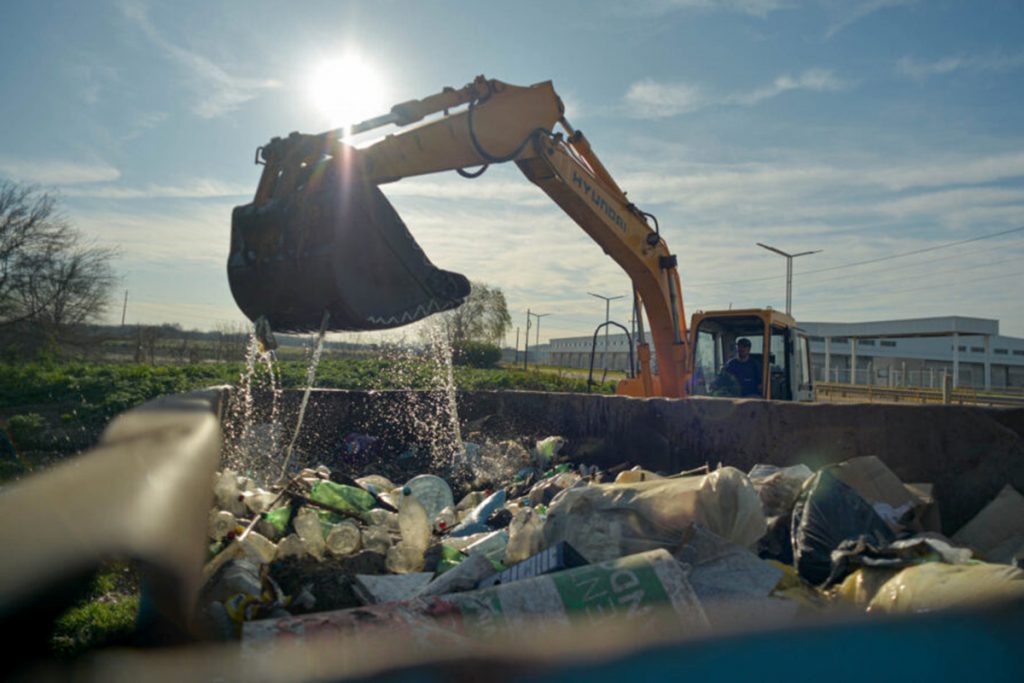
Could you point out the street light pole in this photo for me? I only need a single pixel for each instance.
(789, 272)
(526, 348)
(538, 316)
(607, 316)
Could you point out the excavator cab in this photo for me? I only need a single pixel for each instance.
(320, 239)
(778, 347)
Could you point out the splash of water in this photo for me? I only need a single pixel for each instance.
(238, 424)
(445, 377)
(318, 349)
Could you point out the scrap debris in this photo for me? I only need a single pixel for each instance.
(711, 547)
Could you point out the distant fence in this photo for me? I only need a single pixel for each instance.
(835, 392)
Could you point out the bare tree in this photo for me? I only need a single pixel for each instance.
(50, 278)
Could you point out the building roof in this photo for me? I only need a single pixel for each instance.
(914, 327)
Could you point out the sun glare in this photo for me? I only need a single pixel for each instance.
(347, 90)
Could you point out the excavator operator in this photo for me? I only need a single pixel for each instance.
(745, 369)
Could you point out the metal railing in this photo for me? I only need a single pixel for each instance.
(836, 392)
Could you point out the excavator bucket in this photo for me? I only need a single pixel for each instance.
(334, 243)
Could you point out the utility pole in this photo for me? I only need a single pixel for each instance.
(516, 361)
(124, 309)
(789, 272)
(607, 311)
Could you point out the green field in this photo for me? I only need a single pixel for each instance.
(51, 410)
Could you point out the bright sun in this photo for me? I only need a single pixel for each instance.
(347, 90)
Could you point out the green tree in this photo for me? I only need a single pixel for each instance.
(483, 317)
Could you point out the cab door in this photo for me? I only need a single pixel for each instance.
(800, 365)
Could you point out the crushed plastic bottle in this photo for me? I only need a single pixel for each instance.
(227, 494)
(290, 546)
(258, 501)
(546, 450)
(341, 496)
(259, 548)
(377, 538)
(344, 539)
(492, 546)
(446, 519)
(309, 529)
(278, 519)
(525, 536)
(432, 492)
(413, 523)
(384, 518)
(476, 521)
(221, 523)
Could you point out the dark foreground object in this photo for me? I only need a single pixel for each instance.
(334, 244)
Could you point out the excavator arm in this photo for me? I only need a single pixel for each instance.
(327, 190)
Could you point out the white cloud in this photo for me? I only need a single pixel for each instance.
(650, 99)
(757, 8)
(922, 71)
(144, 122)
(198, 232)
(56, 171)
(813, 80)
(218, 92)
(851, 13)
(198, 188)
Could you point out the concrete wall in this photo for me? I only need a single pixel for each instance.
(969, 453)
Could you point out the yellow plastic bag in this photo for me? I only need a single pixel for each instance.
(935, 586)
(860, 587)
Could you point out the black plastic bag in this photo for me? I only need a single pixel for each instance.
(827, 513)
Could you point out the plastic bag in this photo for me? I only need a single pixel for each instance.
(906, 552)
(827, 513)
(779, 487)
(607, 521)
(935, 586)
(997, 532)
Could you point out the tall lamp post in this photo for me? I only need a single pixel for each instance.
(538, 316)
(529, 315)
(607, 316)
(789, 272)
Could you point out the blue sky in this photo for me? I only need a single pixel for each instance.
(866, 129)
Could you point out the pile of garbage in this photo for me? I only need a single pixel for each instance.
(713, 547)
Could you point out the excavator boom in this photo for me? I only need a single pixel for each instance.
(320, 236)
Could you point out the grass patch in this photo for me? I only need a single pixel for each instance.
(105, 615)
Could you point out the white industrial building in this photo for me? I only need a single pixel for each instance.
(918, 352)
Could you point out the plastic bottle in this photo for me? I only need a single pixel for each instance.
(307, 525)
(349, 498)
(259, 548)
(221, 523)
(344, 539)
(413, 523)
(228, 495)
(290, 546)
(525, 536)
(492, 546)
(476, 521)
(445, 520)
(377, 539)
(380, 517)
(432, 492)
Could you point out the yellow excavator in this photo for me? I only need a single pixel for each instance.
(321, 247)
